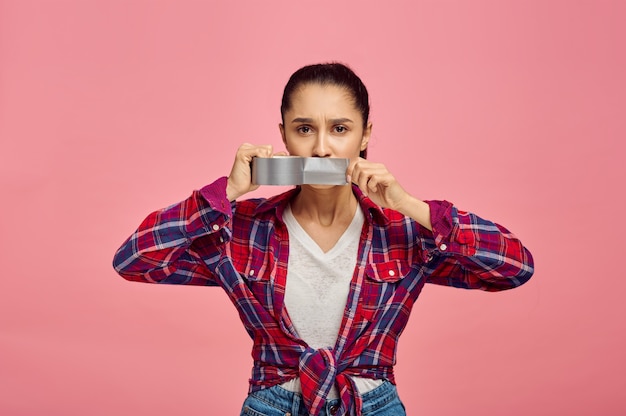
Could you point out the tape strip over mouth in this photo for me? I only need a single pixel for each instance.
(294, 170)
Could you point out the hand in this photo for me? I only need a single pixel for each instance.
(240, 178)
(376, 182)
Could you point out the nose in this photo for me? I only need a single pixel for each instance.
(321, 148)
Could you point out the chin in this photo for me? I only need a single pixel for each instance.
(321, 187)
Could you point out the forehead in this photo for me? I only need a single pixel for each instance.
(316, 98)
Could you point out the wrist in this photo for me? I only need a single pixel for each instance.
(418, 210)
(231, 192)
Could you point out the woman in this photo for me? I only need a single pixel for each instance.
(323, 276)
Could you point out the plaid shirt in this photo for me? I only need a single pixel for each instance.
(244, 247)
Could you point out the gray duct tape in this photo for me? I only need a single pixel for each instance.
(293, 170)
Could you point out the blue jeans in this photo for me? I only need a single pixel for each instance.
(276, 401)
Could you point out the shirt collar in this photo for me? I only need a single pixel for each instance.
(372, 211)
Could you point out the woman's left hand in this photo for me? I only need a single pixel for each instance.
(376, 182)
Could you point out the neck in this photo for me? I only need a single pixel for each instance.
(325, 206)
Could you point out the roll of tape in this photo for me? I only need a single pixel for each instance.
(293, 170)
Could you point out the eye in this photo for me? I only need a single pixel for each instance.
(304, 130)
(340, 129)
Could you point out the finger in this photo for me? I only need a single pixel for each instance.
(366, 175)
(363, 178)
(247, 151)
(352, 165)
(350, 170)
(384, 179)
(377, 180)
(372, 184)
(262, 151)
(266, 151)
(356, 167)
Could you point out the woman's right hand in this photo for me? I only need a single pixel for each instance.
(240, 178)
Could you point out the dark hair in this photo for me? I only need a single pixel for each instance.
(329, 74)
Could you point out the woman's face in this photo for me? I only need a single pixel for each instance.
(323, 122)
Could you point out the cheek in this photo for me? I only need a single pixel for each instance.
(295, 147)
(291, 142)
(352, 144)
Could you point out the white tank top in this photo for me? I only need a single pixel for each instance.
(317, 288)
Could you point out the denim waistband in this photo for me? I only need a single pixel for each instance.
(292, 403)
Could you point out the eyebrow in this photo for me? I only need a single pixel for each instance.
(333, 121)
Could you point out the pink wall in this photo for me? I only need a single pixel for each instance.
(110, 109)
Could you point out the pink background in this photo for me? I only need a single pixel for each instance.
(111, 109)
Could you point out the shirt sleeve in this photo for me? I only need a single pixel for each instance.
(179, 244)
(473, 253)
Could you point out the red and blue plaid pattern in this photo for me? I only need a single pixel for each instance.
(244, 247)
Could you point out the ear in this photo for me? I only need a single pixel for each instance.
(282, 133)
(367, 133)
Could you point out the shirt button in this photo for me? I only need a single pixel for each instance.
(221, 239)
(443, 247)
(333, 410)
(392, 273)
(216, 227)
(251, 272)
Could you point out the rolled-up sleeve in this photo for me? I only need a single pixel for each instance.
(473, 253)
(181, 243)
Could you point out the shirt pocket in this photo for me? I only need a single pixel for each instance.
(251, 266)
(255, 273)
(380, 285)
